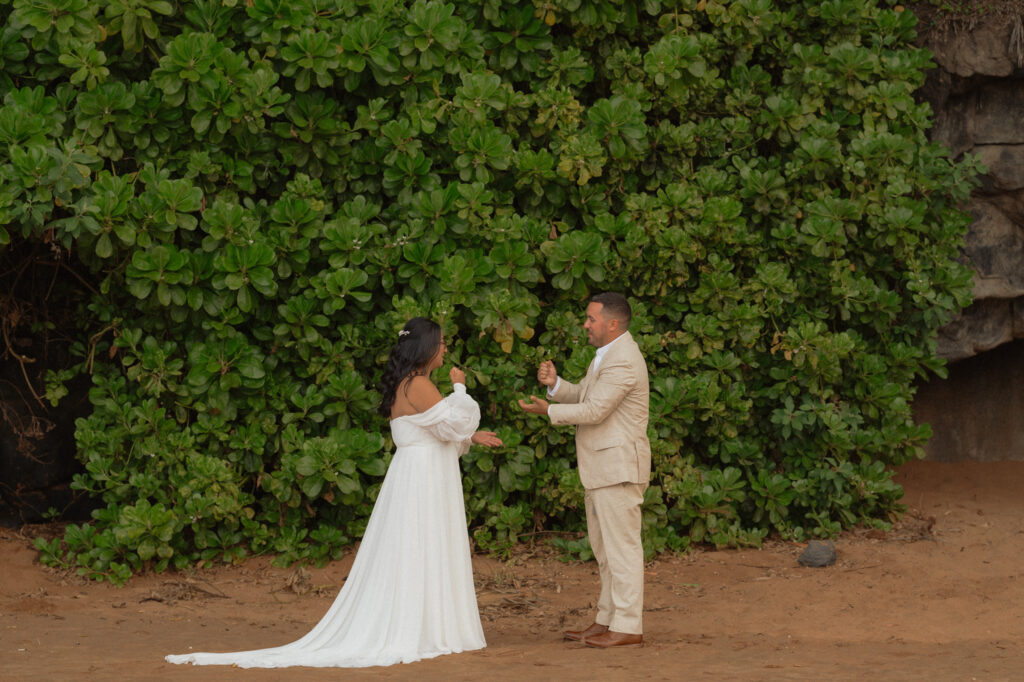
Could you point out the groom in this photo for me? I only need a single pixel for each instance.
(610, 407)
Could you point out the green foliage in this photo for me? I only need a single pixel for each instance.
(265, 191)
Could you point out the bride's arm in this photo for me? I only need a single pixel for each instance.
(456, 419)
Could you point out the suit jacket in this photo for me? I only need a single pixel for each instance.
(610, 408)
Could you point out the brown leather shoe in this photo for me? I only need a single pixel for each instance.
(580, 635)
(610, 639)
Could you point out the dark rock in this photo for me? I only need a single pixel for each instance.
(982, 50)
(977, 94)
(952, 124)
(998, 114)
(1005, 163)
(819, 553)
(1011, 204)
(995, 248)
(983, 326)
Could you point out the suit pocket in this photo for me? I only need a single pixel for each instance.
(610, 462)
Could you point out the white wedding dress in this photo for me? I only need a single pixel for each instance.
(410, 594)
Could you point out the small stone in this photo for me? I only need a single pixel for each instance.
(818, 553)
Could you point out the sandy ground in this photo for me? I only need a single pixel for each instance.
(940, 597)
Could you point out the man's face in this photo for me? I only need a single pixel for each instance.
(597, 325)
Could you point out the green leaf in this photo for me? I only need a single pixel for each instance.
(104, 248)
(306, 466)
(373, 467)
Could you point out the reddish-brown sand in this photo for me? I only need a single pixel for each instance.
(940, 597)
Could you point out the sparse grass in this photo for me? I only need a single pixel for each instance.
(940, 18)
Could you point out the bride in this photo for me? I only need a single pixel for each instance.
(409, 595)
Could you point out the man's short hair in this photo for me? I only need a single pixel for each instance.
(614, 305)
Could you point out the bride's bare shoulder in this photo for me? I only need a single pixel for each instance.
(416, 394)
(423, 394)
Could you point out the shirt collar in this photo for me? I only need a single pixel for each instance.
(604, 349)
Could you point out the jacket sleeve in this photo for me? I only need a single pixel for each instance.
(567, 392)
(611, 385)
(457, 419)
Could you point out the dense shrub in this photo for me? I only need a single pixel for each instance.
(265, 190)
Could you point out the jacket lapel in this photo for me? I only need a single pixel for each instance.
(587, 378)
(591, 374)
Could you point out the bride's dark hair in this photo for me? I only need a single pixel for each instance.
(416, 345)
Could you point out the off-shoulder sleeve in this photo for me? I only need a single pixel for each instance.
(455, 419)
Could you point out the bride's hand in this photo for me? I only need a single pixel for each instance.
(457, 376)
(486, 438)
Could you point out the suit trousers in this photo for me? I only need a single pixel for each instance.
(614, 521)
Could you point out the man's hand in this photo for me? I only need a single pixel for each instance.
(546, 374)
(487, 439)
(537, 406)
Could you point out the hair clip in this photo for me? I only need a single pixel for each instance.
(404, 332)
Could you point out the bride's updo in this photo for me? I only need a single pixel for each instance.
(417, 343)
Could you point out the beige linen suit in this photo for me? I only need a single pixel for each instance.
(610, 408)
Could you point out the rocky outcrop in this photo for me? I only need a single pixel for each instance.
(987, 46)
(995, 249)
(977, 94)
